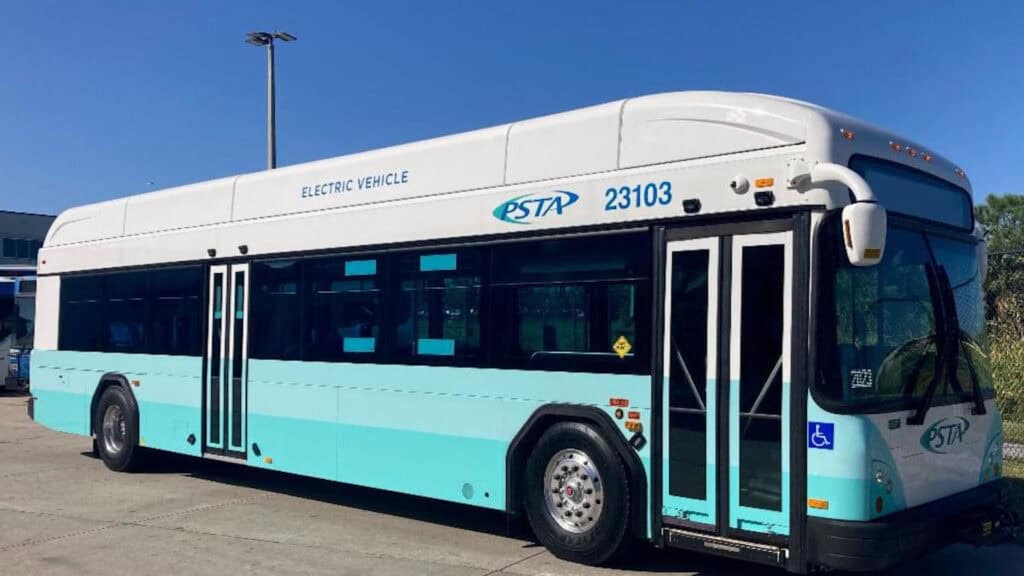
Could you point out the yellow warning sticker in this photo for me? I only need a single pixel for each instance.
(622, 347)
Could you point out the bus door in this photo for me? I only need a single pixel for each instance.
(226, 360)
(726, 382)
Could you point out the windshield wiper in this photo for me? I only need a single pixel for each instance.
(947, 332)
(949, 345)
(956, 345)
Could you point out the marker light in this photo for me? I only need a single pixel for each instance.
(847, 133)
(764, 182)
(912, 152)
(817, 504)
(927, 157)
(895, 146)
(960, 173)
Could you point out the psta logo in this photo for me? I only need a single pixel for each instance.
(944, 434)
(523, 209)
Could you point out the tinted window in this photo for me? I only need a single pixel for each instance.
(10, 251)
(275, 332)
(176, 312)
(760, 393)
(154, 312)
(572, 304)
(553, 318)
(81, 315)
(592, 257)
(688, 374)
(547, 305)
(438, 305)
(125, 315)
(903, 189)
(344, 303)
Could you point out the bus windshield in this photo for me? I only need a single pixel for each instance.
(880, 328)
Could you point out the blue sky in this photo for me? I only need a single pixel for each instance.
(101, 100)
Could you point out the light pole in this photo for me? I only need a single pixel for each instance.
(267, 39)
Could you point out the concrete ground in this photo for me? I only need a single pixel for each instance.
(63, 512)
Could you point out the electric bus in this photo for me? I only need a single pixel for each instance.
(731, 323)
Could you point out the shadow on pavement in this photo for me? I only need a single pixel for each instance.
(642, 558)
(22, 392)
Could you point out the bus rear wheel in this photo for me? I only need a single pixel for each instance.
(577, 494)
(117, 431)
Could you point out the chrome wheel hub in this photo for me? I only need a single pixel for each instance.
(574, 496)
(115, 429)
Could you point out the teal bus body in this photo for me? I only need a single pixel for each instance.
(438, 432)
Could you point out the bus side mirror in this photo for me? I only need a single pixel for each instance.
(864, 226)
(863, 221)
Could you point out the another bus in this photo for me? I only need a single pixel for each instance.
(17, 319)
(731, 323)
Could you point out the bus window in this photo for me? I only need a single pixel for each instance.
(82, 299)
(438, 305)
(760, 425)
(275, 332)
(344, 305)
(571, 304)
(125, 312)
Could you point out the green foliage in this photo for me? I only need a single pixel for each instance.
(1001, 218)
(1006, 351)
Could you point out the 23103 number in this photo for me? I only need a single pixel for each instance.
(639, 196)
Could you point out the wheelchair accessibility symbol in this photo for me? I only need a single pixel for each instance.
(821, 435)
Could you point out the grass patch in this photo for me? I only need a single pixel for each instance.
(1013, 472)
(1013, 432)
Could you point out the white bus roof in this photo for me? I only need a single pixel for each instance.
(631, 133)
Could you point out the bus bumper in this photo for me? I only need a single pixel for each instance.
(977, 516)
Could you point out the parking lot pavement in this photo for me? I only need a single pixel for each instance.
(63, 512)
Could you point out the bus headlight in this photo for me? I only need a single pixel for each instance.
(882, 479)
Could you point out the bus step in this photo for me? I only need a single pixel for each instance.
(741, 549)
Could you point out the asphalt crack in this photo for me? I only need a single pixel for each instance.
(517, 562)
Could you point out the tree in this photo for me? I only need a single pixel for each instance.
(1001, 219)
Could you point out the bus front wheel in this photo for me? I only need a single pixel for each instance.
(577, 494)
(117, 431)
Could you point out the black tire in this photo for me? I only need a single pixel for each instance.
(129, 457)
(607, 536)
